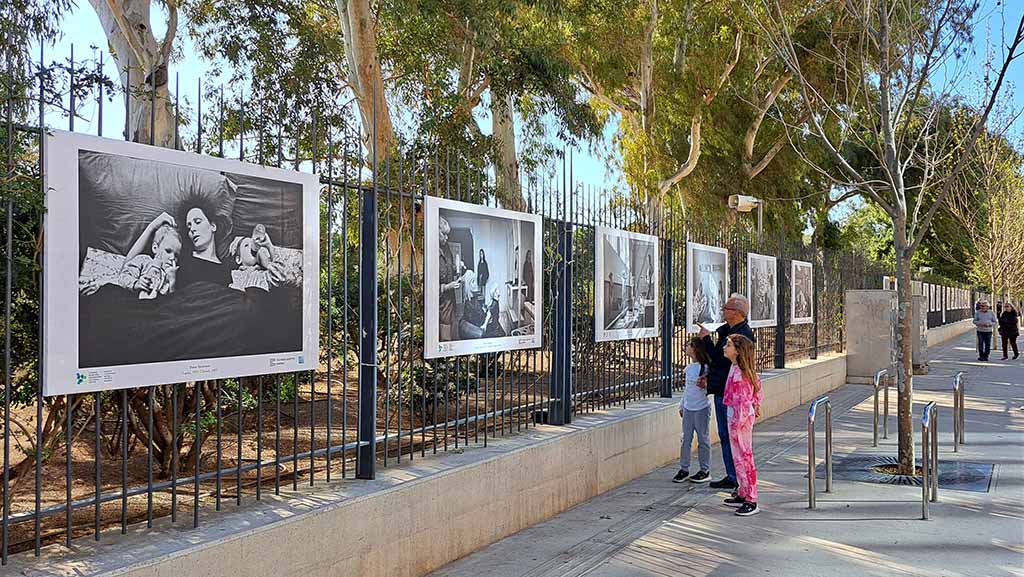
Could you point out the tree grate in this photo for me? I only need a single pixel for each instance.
(956, 475)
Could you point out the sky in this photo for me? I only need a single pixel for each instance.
(996, 20)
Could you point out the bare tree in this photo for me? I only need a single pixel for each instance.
(880, 128)
(986, 205)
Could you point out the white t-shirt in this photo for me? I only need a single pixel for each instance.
(694, 397)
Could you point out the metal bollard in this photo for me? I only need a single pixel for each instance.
(958, 411)
(811, 453)
(882, 374)
(929, 457)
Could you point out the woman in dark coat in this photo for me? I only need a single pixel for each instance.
(483, 273)
(1009, 328)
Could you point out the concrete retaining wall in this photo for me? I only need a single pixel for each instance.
(945, 333)
(420, 516)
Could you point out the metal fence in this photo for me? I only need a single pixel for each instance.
(76, 465)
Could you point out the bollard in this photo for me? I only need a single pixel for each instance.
(882, 374)
(811, 453)
(929, 457)
(958, 411)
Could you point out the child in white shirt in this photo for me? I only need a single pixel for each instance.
(695, 410)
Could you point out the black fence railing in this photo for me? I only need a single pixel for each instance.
(76, 465)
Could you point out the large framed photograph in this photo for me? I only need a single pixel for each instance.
(163, 266)
(707, 285)
(802, 296)
(762, 290)
(482, 270)
(627, 283)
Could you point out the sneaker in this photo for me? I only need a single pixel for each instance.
(700, 477)
(748, 509)
(724, 483)
(735, 501)
(680, 476)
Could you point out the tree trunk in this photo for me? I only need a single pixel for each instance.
(142, 66)
(507, 169)
(905, 292)
(358, 23)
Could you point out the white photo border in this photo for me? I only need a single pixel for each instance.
(601, 334)
(432, 347)
(751, 257)
(690, 246)
(61, 371)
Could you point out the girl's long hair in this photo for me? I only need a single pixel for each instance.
(700, 353)
(745, 359)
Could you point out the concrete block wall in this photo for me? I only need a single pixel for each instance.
(420, 516)
(946, 333)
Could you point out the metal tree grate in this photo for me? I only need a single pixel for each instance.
(956, 475)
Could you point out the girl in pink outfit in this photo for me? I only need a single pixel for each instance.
(743, 399)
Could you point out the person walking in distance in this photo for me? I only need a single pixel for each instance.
(695, 410)
(743, 397)
(735, 312)
(984, 320)
(1009, 329)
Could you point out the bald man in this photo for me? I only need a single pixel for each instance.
(735, 311)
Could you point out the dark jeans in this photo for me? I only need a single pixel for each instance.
(723, 438)
(1010, 340)
(984, 344)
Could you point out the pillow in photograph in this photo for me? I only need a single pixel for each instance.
(120, 195)
(101, 266)
(291, 258)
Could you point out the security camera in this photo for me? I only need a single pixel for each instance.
(743, 203)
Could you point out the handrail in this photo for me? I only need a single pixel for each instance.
(879, 376)
(811, 453)
(929, 457)
(958, 411)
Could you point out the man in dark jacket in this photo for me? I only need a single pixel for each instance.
(735, 311)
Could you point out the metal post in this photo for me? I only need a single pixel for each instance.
(878, 383)
(811, 453)
(934, 460)
(814, 303)
(666, 320)
(780, 308)
(366, 454)
(925, 483)
(560, 399)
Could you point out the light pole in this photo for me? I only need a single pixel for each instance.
(741, 203)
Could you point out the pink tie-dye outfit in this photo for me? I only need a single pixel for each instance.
(740, 399)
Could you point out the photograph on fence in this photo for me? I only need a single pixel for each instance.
(626, 274)
(482, 275)
(707, 285)
(802, 293)
(762, 290)
(164, 266)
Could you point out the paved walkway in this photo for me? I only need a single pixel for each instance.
(652, 527)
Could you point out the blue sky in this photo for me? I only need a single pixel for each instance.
(996, 21)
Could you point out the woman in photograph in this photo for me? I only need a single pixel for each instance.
(490, 326)
(528, 275)
(483, 273)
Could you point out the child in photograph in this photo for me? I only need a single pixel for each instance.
(154, 275)
(743, 400)
(254, 256)
(695, 410)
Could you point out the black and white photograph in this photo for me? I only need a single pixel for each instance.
(802, 294)
(627, 283)
(482, 271)
(762, 290)
(163, 266)
(707, 285)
